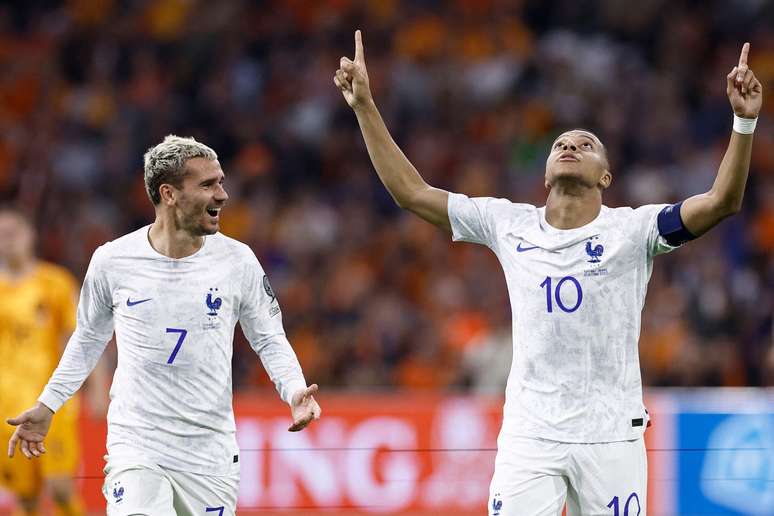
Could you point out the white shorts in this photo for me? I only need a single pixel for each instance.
(154, 491)
(534, 477)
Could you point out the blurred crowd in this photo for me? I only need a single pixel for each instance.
(474, 91)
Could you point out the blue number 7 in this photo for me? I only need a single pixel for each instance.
(213, 509)
(180, 340)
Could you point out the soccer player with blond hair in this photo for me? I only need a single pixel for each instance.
(173, 292)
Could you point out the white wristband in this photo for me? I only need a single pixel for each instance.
(744, 125)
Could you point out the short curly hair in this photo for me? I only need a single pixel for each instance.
(165, 163)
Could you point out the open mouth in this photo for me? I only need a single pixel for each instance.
(213, 212)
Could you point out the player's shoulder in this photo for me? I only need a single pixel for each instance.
(128, 246)
(503, 204)
(512, 216)
(624, 213)
(620, 220)
(509, 208)
(517, 216)
(231, 248)
(616, 215)
(517, 209)
(229, 244)
(636, 225)
(501, 209)
(135, 240)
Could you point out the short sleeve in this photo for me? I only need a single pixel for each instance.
(647, 230)
(475, 220)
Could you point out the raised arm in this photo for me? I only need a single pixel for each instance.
(702, 212)
(397, 173)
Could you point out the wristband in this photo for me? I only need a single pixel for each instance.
(744, 125)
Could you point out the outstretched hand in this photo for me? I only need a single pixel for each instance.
(744, 90)
(304, 408)
(352, 77)
(31, 428)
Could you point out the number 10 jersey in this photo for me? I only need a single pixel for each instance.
(576, 300)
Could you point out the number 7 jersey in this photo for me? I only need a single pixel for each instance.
(174, 319)
(576, 301)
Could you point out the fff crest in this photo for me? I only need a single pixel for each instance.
(594, 252)
(213, 304)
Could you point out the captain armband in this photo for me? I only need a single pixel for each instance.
(671, 227)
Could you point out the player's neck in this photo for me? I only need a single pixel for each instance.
(172, 241)
(567, 209)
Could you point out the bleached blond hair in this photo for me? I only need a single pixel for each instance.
(165, 163)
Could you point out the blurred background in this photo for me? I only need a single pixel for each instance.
(377, 302)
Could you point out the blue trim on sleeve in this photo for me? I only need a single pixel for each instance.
(671, 227)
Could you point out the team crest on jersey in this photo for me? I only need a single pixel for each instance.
(118, 492)
(213, 304)
(497, 505)
(595, 250)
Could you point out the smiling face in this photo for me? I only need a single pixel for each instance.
(578, 157)
(199, 199)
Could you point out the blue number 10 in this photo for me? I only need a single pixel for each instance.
(632, 497)
(549, 304)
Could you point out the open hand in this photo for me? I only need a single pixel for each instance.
(744, 90)
(31, 427)
(352, 77)
(304, 408)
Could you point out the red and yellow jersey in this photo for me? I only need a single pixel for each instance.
(37, 314)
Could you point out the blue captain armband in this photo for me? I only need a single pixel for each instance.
(671, 227)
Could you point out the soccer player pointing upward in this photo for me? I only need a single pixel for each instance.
(173, 292)
(577, 273)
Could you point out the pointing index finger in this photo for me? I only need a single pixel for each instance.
(359, 57)
(743, 55)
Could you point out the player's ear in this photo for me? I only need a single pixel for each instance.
(606, 180)
(167, 193)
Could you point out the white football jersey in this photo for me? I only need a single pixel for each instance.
(171, 399)
(576, 299)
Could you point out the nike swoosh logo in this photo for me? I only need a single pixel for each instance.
(129, 301)
(522, 249)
